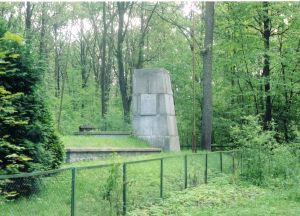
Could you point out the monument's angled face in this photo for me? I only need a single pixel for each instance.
(154, 117)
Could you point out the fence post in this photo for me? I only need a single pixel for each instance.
(205, 173)
(241, 162)
(124, 189)
(233, 164)
(161, 177)
(73, 193)
(260, 168)
(221, 162)
(185, 171)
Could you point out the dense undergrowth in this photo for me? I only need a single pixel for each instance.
(266, 160)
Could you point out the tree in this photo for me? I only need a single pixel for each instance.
(266, 33)
(206, 130)
(106, 59)
(28, 141)
(42, 42)
(123, 75)
(28, 21)
(144, 29)
(102, 16)
(256, 60)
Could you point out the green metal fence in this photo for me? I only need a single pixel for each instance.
(116, 188)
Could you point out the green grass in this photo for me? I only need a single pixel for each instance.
(143, 180)
(107, 142)
(224, 194)
(223, 197)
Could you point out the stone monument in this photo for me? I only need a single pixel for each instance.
(154, 117)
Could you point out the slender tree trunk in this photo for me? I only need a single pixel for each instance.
(64, 75)
(83, 57)
(103, 65)
(83, 65)
(126, 99)
(145, 22)
(207, 112)
(61, 103)
(266, 67)
(249, 81)
(57, 69)
(140, 62)
(42, 47)
(29, 9)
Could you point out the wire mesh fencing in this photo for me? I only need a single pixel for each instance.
(111, 189)
(33, 195)
(142, 183)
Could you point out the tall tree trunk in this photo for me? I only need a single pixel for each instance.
(206, 130)
(83, 57)
(140, 62)
(83, 64)
(145, 21)
(109, 58)
(42, 46)
(64, 77)
(103, 80)
(29, 9)
(57, 69)
(266, 67)
(126, 98)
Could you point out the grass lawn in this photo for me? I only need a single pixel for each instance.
(97, 141)
(99, 190)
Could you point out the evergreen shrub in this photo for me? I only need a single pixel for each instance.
(28, 141)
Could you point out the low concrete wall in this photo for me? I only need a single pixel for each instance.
(105, 133)
(80, 154)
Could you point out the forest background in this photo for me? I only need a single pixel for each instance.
(87, 52)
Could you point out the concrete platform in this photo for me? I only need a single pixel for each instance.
(81, 154)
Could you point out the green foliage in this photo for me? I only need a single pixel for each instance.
(223, 198)
(112, 188)
(205, 197)
(8, 36)
(266, 162)
(238, 85)
(250, 134)
(238, 50)
(27, 139)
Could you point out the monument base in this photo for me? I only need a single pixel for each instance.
(154, 117)
(167, 143)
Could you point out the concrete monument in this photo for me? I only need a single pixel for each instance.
(154, 117)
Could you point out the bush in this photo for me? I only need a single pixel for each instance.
(265, 161)
(27, 138)
(111, 189)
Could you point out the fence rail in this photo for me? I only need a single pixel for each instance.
(191, 168)
(214, 147)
